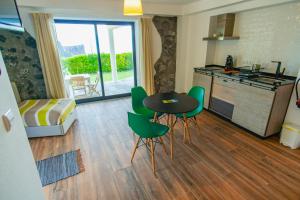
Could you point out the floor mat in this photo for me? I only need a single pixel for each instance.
(60, 167)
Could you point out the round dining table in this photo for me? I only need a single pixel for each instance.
(171, 104)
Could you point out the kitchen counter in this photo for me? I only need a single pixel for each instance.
(257, 102)
(262, 79)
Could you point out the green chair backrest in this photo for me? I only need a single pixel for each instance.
(138, 94)
(198, 92)
(141, 125)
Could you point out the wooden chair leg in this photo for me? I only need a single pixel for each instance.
(187, 128)
(155, 117)
(184, 123)
(184, 131)
(135, 148)
(165, 117)
(163, 145)
(133, 136)
(171, 136)
(189, 133)
(196, 122)
(152, 155)
(148, 141)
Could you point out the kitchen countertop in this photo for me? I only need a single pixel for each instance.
(262, 79)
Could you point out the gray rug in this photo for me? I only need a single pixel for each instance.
(59, 167)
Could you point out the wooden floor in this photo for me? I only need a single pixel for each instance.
(224, 162)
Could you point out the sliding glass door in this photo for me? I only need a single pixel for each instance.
(98, 58)
(116, 52)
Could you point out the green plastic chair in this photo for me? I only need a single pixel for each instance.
(198, 93)
(138, 94)
(149, 133)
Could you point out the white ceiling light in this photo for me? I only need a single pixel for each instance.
(133, 7)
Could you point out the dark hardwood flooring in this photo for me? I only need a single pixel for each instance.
(223, 161)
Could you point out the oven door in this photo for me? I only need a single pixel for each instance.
(221, 107)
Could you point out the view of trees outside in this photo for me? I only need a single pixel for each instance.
(78, 51)
(80, 61)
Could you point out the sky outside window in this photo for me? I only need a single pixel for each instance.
(83, 34)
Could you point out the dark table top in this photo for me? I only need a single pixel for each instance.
(182, 104)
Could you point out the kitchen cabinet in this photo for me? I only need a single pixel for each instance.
(204, 81)
(252, 108)
(224, 88)
(221, 27)
(257, 107)
(223, 96)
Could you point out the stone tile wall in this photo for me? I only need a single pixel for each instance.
(165, 66)
(21, 58)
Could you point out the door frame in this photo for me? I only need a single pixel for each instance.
(134, 57)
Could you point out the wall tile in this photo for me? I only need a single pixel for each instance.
(267, 34)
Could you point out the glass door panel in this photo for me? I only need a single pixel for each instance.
(117, 60)
(98, 58)
(78, 52)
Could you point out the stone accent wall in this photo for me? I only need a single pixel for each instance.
(21, 58)
(165, 66)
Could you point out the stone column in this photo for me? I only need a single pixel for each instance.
(165, 66)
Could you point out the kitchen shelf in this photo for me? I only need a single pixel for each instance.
(221, 38)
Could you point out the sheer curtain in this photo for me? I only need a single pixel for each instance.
(48, 52)
(147, 57)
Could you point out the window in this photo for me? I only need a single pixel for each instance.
(98, 58)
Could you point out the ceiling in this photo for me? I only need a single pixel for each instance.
(170, 1)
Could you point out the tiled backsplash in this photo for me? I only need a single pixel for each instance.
(266, 34)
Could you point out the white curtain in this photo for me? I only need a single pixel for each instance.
(49, 57)
(147, 55)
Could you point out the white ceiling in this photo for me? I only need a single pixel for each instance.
(170, 1)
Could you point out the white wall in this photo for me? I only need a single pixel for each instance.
(19, 178)
(96, 10)
(266, 34)
(192, 49)
(293, 112)
(196, 27)
(92, 14)
(93, 9)
(269, 29)
(228, 5)
(194, 19)
(70, 13)
(103, 7)
(182, 24)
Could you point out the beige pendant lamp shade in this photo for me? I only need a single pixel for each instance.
(133, 7)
